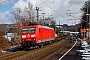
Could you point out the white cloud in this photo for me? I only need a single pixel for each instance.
(24, 3)
(3, 1)
(57, 8)
(77, 1)
(6, 18)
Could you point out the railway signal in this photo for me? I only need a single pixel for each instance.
(82, 30)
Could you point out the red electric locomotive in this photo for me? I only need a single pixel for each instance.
(36, 35)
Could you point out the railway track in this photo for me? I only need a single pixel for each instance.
(36, 53)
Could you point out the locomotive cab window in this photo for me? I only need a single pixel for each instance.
(31, 29)
(25, 30)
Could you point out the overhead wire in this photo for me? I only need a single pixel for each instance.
(75, 17)
(53, 9)
(65, 11)
(59, 6)
(49, 7)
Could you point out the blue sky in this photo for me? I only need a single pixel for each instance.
(60, 6)
(7, 6)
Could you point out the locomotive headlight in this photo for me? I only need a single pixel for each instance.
(33, 35)
(23, 36)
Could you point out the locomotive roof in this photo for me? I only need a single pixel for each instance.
(47, 27)
(38, 25)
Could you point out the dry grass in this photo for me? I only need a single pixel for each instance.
(3, 43)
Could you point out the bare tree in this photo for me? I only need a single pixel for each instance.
(27, 14)
(22, 18)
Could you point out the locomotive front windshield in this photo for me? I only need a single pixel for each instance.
(27, 30)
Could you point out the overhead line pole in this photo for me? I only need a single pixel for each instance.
(43, 17)
(37, 9)
(87, 19)
(87, 14)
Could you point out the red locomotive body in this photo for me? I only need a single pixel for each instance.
(36, 35)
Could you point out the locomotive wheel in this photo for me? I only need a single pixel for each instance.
(41, 45)
(50, 42)
(36, 46)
